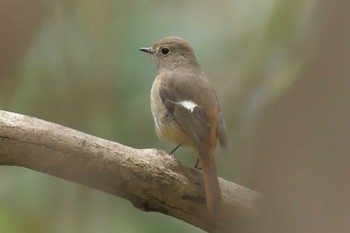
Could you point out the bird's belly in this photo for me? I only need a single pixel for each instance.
(170, 130)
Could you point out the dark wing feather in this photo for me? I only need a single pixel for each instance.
(195, 123)
(221, 132)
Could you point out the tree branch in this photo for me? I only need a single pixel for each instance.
(151, 179)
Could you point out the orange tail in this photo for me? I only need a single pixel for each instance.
(211, 183)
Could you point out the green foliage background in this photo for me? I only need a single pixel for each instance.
(83, 70)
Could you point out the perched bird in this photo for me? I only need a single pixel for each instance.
(186, 110)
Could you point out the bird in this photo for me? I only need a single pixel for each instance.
(186, 110)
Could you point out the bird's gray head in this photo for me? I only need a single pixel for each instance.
(172, 52)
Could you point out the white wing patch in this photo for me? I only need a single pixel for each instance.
(188, 105)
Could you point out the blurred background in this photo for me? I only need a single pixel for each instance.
(77, 63)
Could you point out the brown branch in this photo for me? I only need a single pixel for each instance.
(151, 179)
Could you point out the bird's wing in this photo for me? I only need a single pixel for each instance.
(185, 103)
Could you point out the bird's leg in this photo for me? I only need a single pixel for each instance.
(171, 152)
(196, 166)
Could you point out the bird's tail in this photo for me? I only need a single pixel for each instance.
(211, 184)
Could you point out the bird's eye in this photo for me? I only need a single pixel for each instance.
(164, 51)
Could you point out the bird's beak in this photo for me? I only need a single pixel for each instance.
(147, 50)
